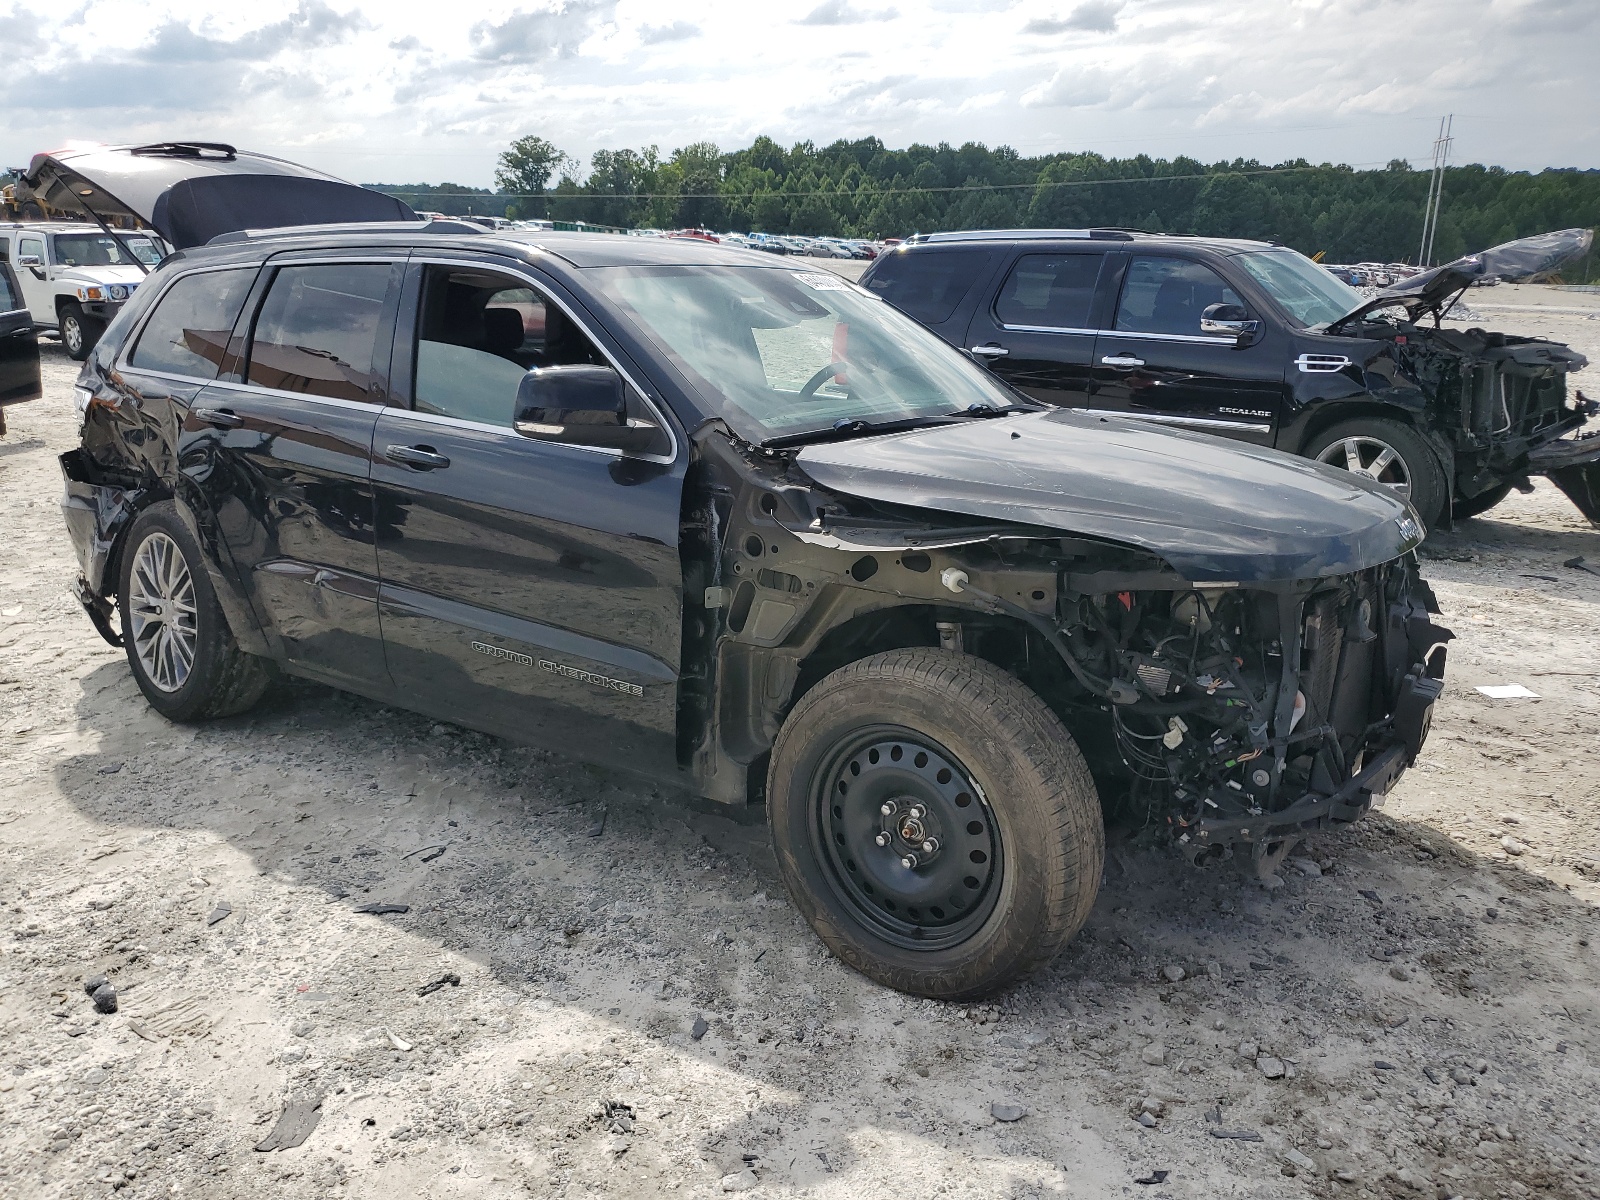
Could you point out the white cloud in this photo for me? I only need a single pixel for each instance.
(393, 91)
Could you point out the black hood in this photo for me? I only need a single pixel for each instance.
(1513, 262)
(190, 192)
(1213, 510)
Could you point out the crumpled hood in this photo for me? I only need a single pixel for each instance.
(1214, 510)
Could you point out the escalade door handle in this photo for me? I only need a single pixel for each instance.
(1122, 362)
(222, 418)
(990, 351)
(423, 458)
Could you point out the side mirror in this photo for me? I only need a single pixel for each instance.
(580, 406)
(1228, 320)
(30, 260)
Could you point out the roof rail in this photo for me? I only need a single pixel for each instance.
(446, 226)
(1033, 235)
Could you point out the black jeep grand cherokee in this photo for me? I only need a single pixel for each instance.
(1254, 341)
(745, 528)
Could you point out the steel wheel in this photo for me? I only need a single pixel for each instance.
(1362, 454)
(162, 612)
(908, 838)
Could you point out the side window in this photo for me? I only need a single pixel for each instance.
(927, 283)
(480, 332)
(1167, 295)
(1053, 291)
(9, 300)
(188, 332)
(317, 331)
(31, 245)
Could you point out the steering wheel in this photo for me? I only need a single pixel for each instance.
(820, 378)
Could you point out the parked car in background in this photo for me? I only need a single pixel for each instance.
(75, 277)
(1255, 342)
(19, 346)
(739, 526)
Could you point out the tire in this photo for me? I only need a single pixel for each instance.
(1402, 459)
(184, 658)
(79, 332)
(1474, 506)
(1017, 795)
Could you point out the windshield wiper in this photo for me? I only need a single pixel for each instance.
(841, 430)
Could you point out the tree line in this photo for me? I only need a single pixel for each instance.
(864, 189)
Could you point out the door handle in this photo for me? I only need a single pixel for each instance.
(990, 351)
(222, 418)
(423, 458)
(1122, 362)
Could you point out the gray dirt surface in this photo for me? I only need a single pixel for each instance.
(565, 1062)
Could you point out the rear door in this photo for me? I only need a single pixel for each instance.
(1154, 363)
(281, 443)
(529, 588)
(19, 348)
(1038, 331)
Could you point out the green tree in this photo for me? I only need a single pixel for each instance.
(525, 169)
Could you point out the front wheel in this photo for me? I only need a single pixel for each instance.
(934, 822)
(1386, 452)
(79, 332)
(1474, 506)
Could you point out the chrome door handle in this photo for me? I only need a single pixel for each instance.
(1122, 362)
(222, 418)
(423, 458)
(990, 351)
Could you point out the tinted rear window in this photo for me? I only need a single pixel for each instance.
(927, 284)
(1052, 291)
(188, 332)
(318, 329)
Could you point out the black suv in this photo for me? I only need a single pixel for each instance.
(742, 527)
(1255, 341)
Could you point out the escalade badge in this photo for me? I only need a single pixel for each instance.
(555, 668)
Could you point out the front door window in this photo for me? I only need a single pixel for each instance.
(1165, 296)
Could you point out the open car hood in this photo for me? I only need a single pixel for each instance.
(191, 192)
(1513, 262)
(1214, 510)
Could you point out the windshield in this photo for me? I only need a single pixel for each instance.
(1307, 292)
(782, 352)
(98, 250)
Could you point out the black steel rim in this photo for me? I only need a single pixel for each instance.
(907, 838)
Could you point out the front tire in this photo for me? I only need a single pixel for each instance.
(178, 643)
(935, 823)
(1390, 453)
(79, 332)
(1476, 506)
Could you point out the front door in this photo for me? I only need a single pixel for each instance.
(1154, 363)
(282, 444)
(1038, 334)
(528, 588)
(19, 348)
(35, 278)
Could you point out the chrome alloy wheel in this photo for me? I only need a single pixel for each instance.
(162, 612)
(72, 334)
(1371, 457)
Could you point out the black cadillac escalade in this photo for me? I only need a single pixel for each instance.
(743, 527)
(1255, 341)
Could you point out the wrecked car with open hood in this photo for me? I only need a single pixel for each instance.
(748, 530)
(1255, 342)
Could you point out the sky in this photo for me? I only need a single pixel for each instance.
(407, 92)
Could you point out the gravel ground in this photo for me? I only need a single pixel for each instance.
(640, 1012)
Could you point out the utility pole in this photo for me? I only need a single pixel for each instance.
(1430, 210)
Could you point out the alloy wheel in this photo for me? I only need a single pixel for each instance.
(72, 334)
(1374, 458)
(908, 837)
(162, 612)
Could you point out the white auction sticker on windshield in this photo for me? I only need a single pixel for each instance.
(819, 282)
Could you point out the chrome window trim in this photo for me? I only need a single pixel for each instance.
(513, 269)
(1173, 337)
(1046, 329)
(124, 359)
(255, 389)
(1185, 422)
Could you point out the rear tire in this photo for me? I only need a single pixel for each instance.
(1388, 452)
(79, 332)
(178, 643)
(971, 760)
(1475, 506)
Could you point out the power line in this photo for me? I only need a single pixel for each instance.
(907, 191)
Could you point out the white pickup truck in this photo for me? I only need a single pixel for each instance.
(75, 276)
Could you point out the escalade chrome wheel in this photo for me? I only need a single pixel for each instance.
(1372, 457)
(161, 612)
(178, 643)
(1387, 452)
(935, 822)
